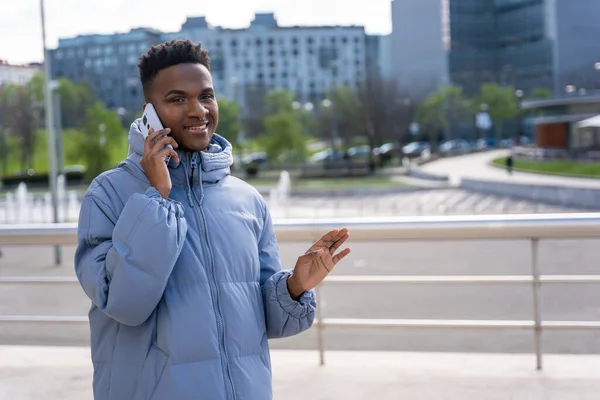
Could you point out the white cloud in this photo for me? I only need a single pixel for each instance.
(21, 37)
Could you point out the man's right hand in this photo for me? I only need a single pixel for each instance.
(153, 160)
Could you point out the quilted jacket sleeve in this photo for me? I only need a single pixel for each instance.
(124, 262)
(285, 316)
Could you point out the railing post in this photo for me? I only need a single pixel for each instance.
(320, 327)
(537, 310)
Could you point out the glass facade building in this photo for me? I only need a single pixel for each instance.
(500, 41)
(524, 43)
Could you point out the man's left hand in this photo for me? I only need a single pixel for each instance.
(320, 259)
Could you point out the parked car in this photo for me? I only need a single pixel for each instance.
(385, 153)
(455, 147)
(253, 162)
(415, 149)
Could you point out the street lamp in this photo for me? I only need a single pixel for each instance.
(102, 130)
(328, 104)
(50, 129)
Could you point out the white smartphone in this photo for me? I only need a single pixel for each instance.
(150, 119)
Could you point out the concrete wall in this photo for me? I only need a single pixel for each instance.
(582, 198)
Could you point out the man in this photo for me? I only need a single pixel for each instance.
(180, 260)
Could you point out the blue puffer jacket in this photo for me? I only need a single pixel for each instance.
(186, 291)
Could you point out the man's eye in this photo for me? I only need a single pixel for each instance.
(177, 100)
(207, 96)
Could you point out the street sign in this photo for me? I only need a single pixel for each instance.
(483, 121)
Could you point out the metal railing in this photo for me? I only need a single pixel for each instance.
(524, 227)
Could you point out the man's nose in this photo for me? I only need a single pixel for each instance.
(197, 109)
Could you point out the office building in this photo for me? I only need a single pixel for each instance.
(419, 46)
(17, 74)
(266, 56)
(524, 43)
(244, 62)
(108, 63)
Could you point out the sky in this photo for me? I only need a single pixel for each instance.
(21, 33)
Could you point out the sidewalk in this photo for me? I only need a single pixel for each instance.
(64, 373)
(477, 166)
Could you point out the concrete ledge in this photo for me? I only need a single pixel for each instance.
(573, 197)
(65, 373)
(420, 174)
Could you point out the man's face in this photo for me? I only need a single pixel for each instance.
(184, 98)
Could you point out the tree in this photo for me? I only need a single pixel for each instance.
(75, 99)
(283, 134)
(283, 130)
(444, 109)
(501, 102)
(388, 111)
(345, 117)
(101, 135)
(541, 93)
(229, 124)
(20, 119)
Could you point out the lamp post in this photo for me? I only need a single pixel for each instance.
(50, 130)
(328, 104)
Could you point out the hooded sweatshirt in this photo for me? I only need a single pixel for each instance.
(185, 291)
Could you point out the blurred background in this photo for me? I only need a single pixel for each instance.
(448, 117)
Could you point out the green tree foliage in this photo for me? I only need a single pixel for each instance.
(502, 104)
(229, 121)
(541, 93)
(444, 109)
(19, 115)
(102, 135)
(283, 130)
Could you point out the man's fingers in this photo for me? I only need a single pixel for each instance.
(336, 245)
(338, 257)
(164, 153)
(311, 256)
(153, 135)
(165, 140)
(328, 238)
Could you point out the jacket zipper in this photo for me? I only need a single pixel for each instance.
(212, 281)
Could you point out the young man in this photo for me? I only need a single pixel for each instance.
(180, 260)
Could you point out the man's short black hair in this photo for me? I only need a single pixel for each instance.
(166, 55)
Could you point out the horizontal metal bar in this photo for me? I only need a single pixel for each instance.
(368, 279)
(373, 279)
(69, 319)
(471, 227)
(570, 279)
(456, 324)
(38, 279)
(424, 323)
(367, 323)
(416, 279)
(571, 325)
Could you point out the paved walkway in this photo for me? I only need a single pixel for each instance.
(64, 373)
(477, 166)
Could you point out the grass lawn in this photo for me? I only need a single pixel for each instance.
(564, 168)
